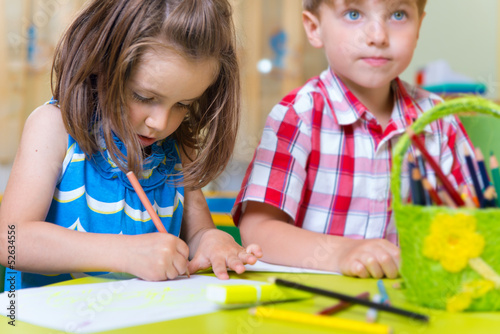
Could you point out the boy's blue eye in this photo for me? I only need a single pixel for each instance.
(353, 15)
(399, 15)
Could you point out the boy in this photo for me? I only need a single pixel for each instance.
(317, 193)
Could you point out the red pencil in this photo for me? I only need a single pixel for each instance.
(432, 192)
(455, 196)
(342, 305)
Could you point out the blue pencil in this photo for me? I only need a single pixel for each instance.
(383, 293)
(475, 181)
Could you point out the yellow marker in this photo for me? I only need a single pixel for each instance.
(232, 295)
(319, 320)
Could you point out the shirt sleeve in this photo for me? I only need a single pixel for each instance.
(277, 173)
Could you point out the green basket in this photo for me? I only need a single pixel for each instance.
(423, 230)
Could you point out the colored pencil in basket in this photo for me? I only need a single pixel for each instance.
(473, 174)
(495, 174)
(431, 191)
(482, 168)
(439, 173)
(489, 197)
(423, 172)
(352, 299)
(417, 189)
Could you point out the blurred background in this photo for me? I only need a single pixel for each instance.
(458, 52)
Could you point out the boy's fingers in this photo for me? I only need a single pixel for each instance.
(389, 266)
(358, 269)
(372, 265)
(247, 258)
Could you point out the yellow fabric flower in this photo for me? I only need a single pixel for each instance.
(453, 241)
(478, 288)
(458, 302)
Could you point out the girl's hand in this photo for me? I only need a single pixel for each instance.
(156, 256)
(219, 250)
(369, 258)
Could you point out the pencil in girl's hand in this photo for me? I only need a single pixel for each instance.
(495, 174)
(145, 202)
(351, 299)
(475, 180)
(439, 173)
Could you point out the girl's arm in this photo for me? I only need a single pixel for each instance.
(47, 248)
(285, 244)
(209, 246)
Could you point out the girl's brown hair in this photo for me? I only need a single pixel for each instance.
(96, 55)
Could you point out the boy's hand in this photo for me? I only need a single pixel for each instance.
(219, 250)
(156, 256)
(369, 258)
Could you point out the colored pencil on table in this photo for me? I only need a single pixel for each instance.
(495, 174)
(319, 320)
(351, 299)
(439, 173)
(482, 168)
(473, 174)
(147, 204)
(384, 297)
(372, 313)
(342, 305)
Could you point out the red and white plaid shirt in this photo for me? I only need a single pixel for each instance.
(325, 160)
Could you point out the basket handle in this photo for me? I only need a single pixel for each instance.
(450, 107)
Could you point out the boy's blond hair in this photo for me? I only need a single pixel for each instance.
(312, 5)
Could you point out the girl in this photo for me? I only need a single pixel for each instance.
(141, 85)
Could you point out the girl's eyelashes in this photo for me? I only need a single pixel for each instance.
(141, 98)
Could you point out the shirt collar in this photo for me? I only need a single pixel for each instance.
(348, 109)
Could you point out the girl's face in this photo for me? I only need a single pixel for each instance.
(160, 91)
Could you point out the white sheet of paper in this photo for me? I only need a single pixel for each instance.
(98, 307)
(275, 268)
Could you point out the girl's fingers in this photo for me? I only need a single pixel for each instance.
(255, 250)
(219, 268)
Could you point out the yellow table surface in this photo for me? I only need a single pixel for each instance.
(241, 322)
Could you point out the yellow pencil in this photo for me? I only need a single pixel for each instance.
(319, 320)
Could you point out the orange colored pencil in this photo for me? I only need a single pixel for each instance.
(432, 192)
(145, 201)
(147, 204)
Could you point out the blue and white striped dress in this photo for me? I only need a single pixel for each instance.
(93, 195)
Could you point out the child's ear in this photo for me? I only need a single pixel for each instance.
(312, 27)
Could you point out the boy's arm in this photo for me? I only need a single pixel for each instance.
(285, 244)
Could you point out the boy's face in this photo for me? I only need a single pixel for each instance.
(368, 43)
